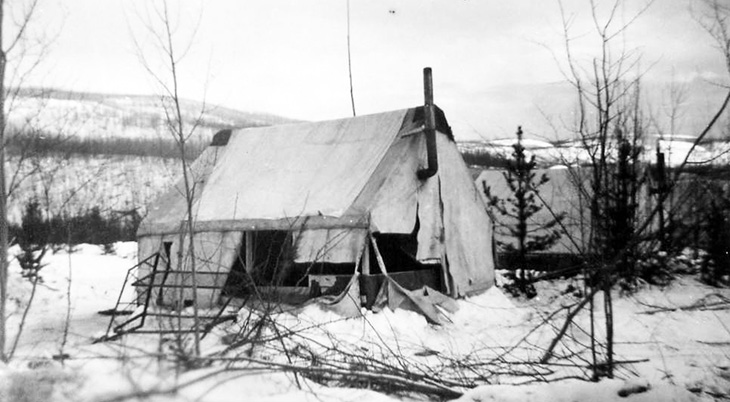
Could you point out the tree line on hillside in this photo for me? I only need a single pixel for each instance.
(91, 226)
(40, 143)
(484, 159)
(37, 233)
(22, 142)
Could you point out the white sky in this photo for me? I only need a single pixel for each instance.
(289, 57)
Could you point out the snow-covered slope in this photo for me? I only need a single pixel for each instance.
(130, 116)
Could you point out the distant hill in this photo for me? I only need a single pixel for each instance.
(104, 116)
(79, 150)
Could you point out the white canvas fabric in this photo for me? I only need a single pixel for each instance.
(304, 170)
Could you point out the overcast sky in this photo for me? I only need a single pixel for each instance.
(289, 57)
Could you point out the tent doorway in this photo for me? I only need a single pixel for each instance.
(398, 253)
(266, 261)
(264, 258)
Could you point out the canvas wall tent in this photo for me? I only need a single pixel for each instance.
(304, 208)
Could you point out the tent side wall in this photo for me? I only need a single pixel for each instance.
(148, 245)
(213, 257)
(214, 254)
(467, 226)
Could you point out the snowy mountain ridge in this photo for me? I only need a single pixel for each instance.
(84, 114)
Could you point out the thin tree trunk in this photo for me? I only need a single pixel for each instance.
(191, 253)
(189, 205)
(568, 320)
(24, 317)
(189, 196)
(349, 60)
(608, 308)
(67, 323)
(3, 198)
(592, 316)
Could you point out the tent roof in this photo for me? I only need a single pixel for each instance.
(269, 176)
(304, 170)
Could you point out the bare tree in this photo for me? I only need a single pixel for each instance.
(19, 57)
(163, 31)
(609, 125)
(713, 17)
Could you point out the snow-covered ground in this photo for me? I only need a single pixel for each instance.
(688, 351)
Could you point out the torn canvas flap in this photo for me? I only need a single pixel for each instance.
(345, 304)
(432, 304)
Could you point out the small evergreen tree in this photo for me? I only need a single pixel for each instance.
(514, 212)
(33, 240)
